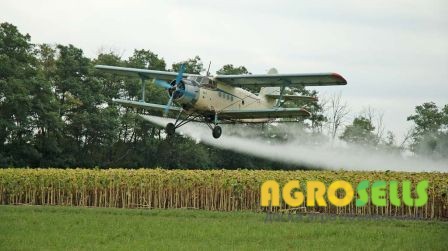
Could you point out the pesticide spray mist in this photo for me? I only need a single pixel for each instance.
(303, 152)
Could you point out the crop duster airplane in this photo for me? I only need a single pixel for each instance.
(220, 99)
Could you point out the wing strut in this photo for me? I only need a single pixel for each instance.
(279, 101)
(142, 81)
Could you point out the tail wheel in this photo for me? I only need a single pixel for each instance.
(170, 129)
(217, 132)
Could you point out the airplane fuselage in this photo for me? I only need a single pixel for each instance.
(227, 97)
(224, 97)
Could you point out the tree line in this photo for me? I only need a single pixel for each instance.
(56, 110)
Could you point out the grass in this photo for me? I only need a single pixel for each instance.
(66, 228)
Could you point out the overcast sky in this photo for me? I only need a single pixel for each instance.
(394, 54)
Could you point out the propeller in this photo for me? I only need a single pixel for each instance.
(167, 107)
(180, 74)
(174, 87)
(162, 84)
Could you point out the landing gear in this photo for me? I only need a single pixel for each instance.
(170, 129)
(212, 123)
(217, 132)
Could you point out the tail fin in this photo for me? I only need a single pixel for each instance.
(270, 90)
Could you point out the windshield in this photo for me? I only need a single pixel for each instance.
(202, 81)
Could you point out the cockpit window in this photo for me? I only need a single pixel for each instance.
(203, 81)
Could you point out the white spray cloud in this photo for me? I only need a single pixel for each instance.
(323, 155)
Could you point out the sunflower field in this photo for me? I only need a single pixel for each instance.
(222, 190)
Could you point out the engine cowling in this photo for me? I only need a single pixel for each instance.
(185, 93)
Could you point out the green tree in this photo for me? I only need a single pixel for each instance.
(317, 118)
(428, 118)
(192, 65)
(111, 84)
(147, 60)
(45, 106)
(229, 69)
(90, 123)
(360, 132)
(17, 76)
(430, 136)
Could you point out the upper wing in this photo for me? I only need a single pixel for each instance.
(146, 106)
(264, 113)
(143, 73)
(317, 79)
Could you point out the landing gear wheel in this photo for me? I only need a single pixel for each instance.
(170, 129)
(217, 132)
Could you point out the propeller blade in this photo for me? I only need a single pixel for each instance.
(179, 75)
(178, 79)
(162, 84)
(167, 107)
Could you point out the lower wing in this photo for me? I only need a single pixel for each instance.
(272, 113)
(147, 106)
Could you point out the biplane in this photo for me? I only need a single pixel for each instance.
(222, 99)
